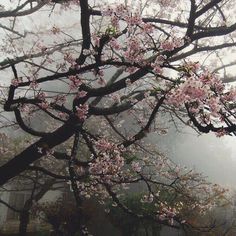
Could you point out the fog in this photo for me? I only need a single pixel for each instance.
(214, 157)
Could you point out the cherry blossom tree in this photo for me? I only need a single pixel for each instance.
(105, 79)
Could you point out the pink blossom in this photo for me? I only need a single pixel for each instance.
(42, 47)
(82, 94)
(116, 98)
(115, 21)
(55, 30)
(147, 199)
(107, 11)
(192, 66)
(147, 28)
(60, 99)
(104, 145)
(69, 58)
(214, 104)
(82, 111)
(15, 82)
(131, 69)
(168, 45)
(96, 39)
(44, 105)
(230, 95)
(221, 133)
(134, 19)
(134, 49)
(75, 82)
(63, 115)
(41, 95)
(34, 84)
(189, 91)
(157, 69)
(115, 44)
(136, 167)
(107, 165)
(171, 44)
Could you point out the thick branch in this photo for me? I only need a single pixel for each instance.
(35, 151)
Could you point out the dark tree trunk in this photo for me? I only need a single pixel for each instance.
(24, 221)
(20, 162)
(56, 232)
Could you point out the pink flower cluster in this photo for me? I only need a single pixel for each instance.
(230, 96)
(41, 96)
(147, 28)
(191, 67)
(115, 13)
(110, 161)
(34, 84)
(70, 59)
(103, 145)
(115, 45)
(147, 198)
(221, 133)
(167, 213)
(119, 10)
(190, 90)
(55, 30)
(171, 44)
(200, 90)
(133, 53)
(82, 111)
(15, 82)
(157, 64)
(136, 166)
(60, 99)
(214, 105)
(107, 165)
(44, 105)
(213, 82)
(75, 82)
(133, 19)
(82, 94)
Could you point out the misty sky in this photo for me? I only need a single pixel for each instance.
(214, 157)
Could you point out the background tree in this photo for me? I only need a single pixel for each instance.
(36, 181)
